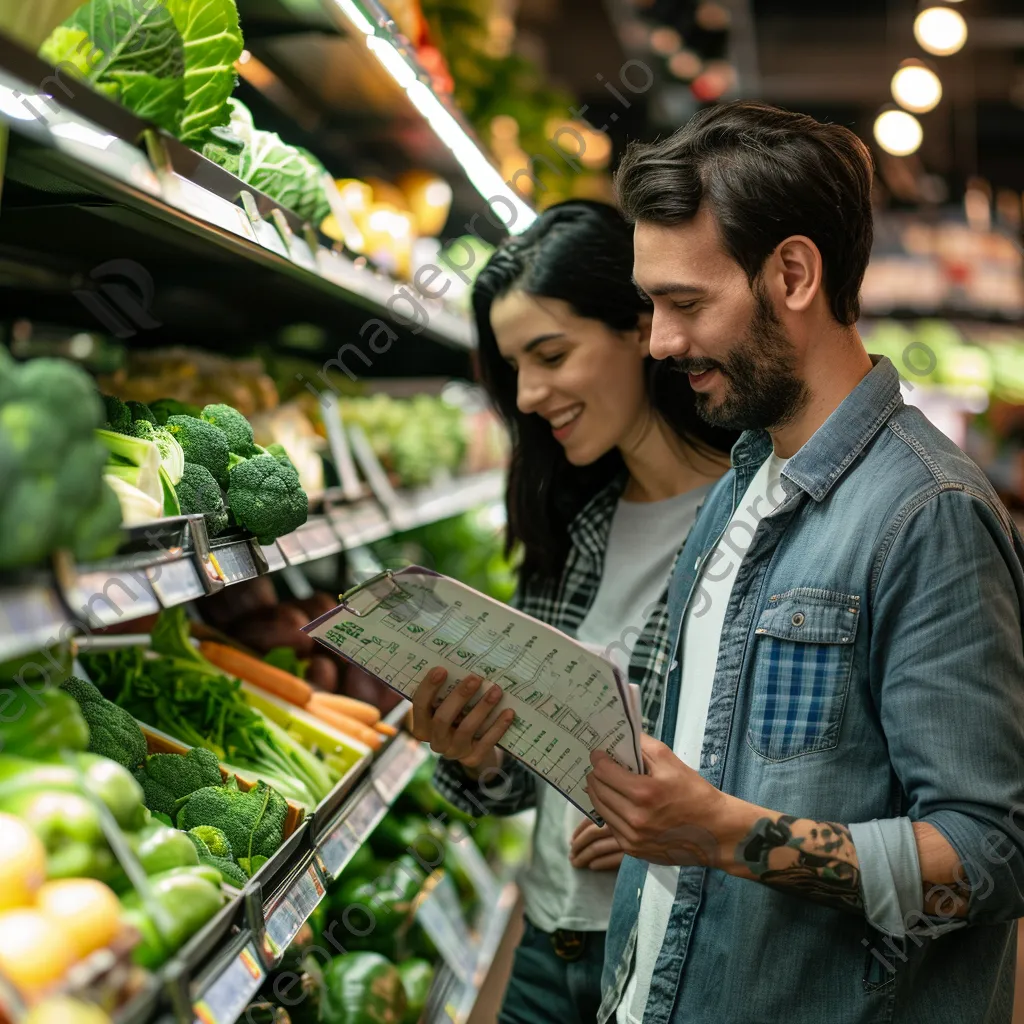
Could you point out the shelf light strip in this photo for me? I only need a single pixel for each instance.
(506, 203)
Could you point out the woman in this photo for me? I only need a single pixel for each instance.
(609, 464)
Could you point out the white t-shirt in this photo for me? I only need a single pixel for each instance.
(702, 633)
(642, 545)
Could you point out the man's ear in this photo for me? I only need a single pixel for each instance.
(643, 323)
(800, 266)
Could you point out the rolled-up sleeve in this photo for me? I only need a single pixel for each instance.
(947, 668)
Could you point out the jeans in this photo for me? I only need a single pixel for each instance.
(546, 988)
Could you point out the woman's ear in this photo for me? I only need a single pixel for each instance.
(644, 328)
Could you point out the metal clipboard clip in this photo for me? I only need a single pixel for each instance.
(370, 594)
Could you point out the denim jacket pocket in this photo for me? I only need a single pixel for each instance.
(803, 657)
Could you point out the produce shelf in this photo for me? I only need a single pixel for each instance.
(41, 607)
(452, 1001)
(168, 215)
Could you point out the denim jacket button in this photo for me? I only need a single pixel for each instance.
(798, 618)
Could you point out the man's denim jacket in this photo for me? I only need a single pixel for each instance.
(871, 673)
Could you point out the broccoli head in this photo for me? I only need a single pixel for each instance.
(216, 842)
(235, 427)
(172, 458)
(113, 732)
(202, 444)
(265, 496)
(168, 778)
(163, 408)
(141, 412)
(119, 416)
(230, 872)
(198, 492)
(253, 821)
(64, 389)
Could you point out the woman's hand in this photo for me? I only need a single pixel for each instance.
(595, 847)
(451, 730)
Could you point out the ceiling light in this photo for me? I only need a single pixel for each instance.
(685, 65)
(940, 30)
(898, 132)
(665, 41)
(916, 87)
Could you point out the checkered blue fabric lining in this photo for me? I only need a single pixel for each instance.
(792, 706)
(564, 603)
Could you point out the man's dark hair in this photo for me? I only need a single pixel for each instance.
(766, 174)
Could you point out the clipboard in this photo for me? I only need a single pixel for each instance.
(568, 700)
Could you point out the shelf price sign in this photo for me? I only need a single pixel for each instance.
(337, 849)
(229, 993)
(366, 815)
(293, 911)
(175, 582)
(439, 912)
(235, 562)
(292, 548)
(394, 776)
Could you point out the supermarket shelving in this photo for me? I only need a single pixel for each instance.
(80, 192)
(42, 606)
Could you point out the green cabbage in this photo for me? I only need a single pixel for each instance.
(169, 61)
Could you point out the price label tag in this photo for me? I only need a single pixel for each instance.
(318, 539)
(471, 860)
(367, 814)
(30, 618)
(294, 910)
(105, 597)
(272, 553)
(338, 848)
(235, 562)
(175, 582)
(230, 992)
(292, 548)
(302, 254)
(442, 919)
(394, 775)
(360, 523)
(209, 207)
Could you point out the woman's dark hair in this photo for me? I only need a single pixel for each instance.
(582, 253)
(766, 174)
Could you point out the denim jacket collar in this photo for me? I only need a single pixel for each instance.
(833, 447)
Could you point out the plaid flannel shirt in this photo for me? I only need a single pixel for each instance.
(564, 604)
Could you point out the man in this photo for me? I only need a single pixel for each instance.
(832, 824)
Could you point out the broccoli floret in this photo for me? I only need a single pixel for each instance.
(253, 821)
(202, 444)
(141, 412)
(164, 408)
(198, 492)
(65, 390)
(216, 842)
(236, 428)
(119, 416)
(167, 778)
(277, 450)
(230, 872)
(172, 458)
(113, 732)
(265, 496)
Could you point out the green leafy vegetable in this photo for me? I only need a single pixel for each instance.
(212, 44)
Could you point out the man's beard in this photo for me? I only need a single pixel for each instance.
(762, 388)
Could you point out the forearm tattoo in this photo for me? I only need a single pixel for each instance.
(813, 859)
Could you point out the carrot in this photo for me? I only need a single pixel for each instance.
(384, 729)
(274, 680)
(350, 727)
(357, 709)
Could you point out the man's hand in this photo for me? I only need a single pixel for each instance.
(669, 816)
(595, 847)
(452, 730)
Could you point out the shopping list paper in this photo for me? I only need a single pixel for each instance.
(568, 700)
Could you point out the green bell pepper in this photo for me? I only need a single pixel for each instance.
(362, 988)
(160, 848)
(417, 977)
(180, 902)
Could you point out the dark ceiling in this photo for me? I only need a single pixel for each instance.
(833, 60)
